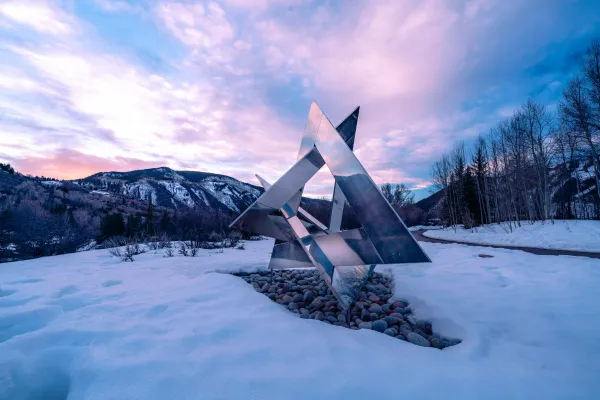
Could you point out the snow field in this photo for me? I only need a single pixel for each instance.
(576, 235)
(84, 325)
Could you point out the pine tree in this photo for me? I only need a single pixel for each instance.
(150, 217)
(165, 224)
(112, 225)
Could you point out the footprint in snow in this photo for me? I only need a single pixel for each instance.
(111, 283)
(67, 290)
(6, 292)
(30, 280)
(156, 310)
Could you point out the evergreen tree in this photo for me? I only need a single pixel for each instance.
(150, 217)
(112, 225)
(165, 224)
(471, 216)
(134, 226)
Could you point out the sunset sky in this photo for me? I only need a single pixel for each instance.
(225, 87)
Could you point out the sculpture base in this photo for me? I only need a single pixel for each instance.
(304, 293)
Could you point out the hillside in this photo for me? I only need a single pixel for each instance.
(44, 216)
(175, 189)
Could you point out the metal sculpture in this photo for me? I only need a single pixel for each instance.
(346, 258)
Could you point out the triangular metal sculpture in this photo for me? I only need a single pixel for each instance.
(345, 259)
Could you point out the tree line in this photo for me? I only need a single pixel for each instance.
(534, 165)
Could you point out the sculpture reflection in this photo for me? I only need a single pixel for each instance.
(345, 259)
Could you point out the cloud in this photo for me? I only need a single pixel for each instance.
(39, 15)
(71, 164)
(195, 24)
(118, 6)
(241, 75)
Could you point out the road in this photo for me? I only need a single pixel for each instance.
(544, 252)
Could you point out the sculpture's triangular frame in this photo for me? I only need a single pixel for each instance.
(345, 259)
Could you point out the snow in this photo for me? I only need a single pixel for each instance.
(222, 193)
(577, 235)
(140, 189)
(87, 326)
(426, 227)
(101, 192)
(201, 196)
(179, 192)
(51, 183)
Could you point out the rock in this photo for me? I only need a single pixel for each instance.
(293, 306)
(317, 304)
(358, 321)
(265, 287)
(437, 343)
(391, 320)
(405, 330)
(374, 316)
(385, 307)
(379, 325)
(427, 329)
(397, 315)
(297, 298)
(398, 304)
(304, 313)
(374, 298)
(319, 316)
(308, 297)
(341, 318)
(286, 299)
(417, 339)
(420, 332)
(410, 320)
(365, 315)
(390, 332)
(360, 305)
(375, 308)
(332, 319)
(272, 296)
(330, 314)
(365, 325)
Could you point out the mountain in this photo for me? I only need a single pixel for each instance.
(167, 188)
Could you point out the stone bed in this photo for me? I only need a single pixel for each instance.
(303, 292)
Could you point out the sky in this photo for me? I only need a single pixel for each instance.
(225, 86)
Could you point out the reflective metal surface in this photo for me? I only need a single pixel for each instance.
(345, 259)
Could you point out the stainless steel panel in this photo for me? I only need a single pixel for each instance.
(391, 238)
(351, 247)
(289, 255)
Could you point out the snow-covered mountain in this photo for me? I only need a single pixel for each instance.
(176, 189)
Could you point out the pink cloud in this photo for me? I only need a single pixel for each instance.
(72, 164)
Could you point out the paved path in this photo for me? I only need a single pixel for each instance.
(545, 252)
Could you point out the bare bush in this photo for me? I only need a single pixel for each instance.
(240, 247)
(127, 253)
(115, 252)
(169, 252)
(193, 247)
(164, 242)
(183, 249)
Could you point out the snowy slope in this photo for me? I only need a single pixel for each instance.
(177, 189)
(577, 235)
(169, 328)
